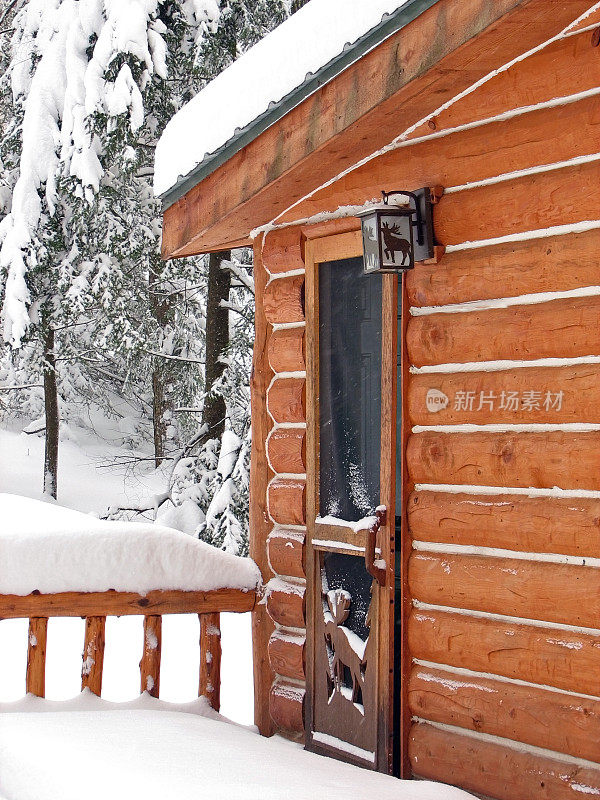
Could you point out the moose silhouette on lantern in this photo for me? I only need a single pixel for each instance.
(387, 232)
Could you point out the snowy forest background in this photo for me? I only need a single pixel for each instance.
(123, 379)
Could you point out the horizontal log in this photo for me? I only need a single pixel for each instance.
(541, 460)
(287, 450)
(559, 197)
(496, 770)
(561, 593)
(286, 552)
(568, 660)
(286, 350)
(286, 654)
(282, 250)
(555, 264)
(283, 300)
(118, 604)
(287, 501)
(474, 154)
(565, 67)
(510, 522)
(286, 705)
(561, 722)
(286, 400)
(525, 395)
(557, 329)
(286, 603)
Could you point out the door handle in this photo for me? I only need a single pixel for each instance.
(379, 573)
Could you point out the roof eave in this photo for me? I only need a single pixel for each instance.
(390, 24)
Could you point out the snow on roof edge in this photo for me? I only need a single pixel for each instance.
(391, 22)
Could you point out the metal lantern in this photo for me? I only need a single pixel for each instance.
(388, 232)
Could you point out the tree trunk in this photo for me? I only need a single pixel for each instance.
(217, 341)
(160, 305)
(52, 419)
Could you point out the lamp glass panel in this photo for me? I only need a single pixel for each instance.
(370, 243)
(396, 241)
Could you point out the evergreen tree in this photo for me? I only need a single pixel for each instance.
(92, 318)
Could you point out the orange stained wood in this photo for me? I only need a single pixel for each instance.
(287, 451)
(564, 67)
(36, 656)
(552, 264)
(474, 154)
(286, 706)
(286, 400)
(287, 501)
(209, 684)
(445, 50)
(497, 770)
(542, 460)
(102, 604)
(508, 586)
(286, 654)
(563, 328)
(286, 350)
(536, 395)
(151, 657)
(286, 604)
(283, 300)
(548, 656)
(260, 474)
(511, 522)
(282, 250)
(286, 551)
(558, 197)
(93, 655)
(560, 722)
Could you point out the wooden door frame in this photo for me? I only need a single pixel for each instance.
(334, 247)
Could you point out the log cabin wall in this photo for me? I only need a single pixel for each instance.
(283, 484)
(503, 676)
(504, 634)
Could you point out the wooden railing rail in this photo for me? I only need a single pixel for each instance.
(96, 606)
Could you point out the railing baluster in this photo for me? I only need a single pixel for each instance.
(36, 656)
(93, 655)
(150, 663)
(210, 659)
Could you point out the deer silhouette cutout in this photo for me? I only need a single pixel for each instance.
(342, 654)
(394, 243)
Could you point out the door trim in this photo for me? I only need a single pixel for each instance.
(332, 248)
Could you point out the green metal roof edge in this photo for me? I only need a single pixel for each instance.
(390, 24)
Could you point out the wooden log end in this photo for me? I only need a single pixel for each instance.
(286, 706)
(286, 603)
(286, 552)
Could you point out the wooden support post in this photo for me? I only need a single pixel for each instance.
(150, 663)
(36, 656)
(93, 655)
(210, 659)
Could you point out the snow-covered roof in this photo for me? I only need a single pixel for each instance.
(51, 549)
(306, 51)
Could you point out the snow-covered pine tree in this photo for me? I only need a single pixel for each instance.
(96, 81)
(90, 90)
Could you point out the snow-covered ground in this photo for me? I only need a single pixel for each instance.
(87, 484)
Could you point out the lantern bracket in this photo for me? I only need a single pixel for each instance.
(420, 204)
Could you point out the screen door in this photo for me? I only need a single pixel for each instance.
(348, 612)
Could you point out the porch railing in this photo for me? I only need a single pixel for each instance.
(96, 606)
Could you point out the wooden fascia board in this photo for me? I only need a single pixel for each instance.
(443, 51)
